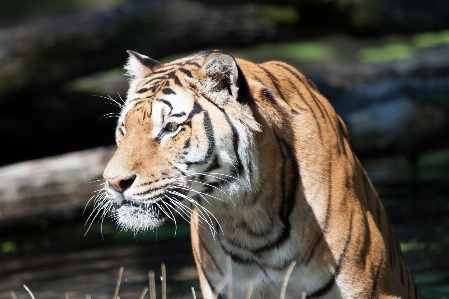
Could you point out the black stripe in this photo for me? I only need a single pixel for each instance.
(329, 196)
(376, 277)
(153, 79)
(235, 144)
(309, 255)
(196, 109)
(288, 199)
(214, 165)
(166, 103)
(289, 170)
(185, 71)
(190, 62)
(330, 283)
(211, 140)
(303, 98)
(142, 90)
(168, 91)
(178, 114)
(172, 75)
(275, 82)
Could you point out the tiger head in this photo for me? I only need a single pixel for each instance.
(184, 140)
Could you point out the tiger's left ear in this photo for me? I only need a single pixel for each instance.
(139, 65)
(220, 74)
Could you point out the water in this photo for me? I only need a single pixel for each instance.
(58, 260)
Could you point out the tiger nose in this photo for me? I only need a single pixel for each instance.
(120, 183)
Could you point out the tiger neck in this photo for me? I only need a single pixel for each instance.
(262, 212)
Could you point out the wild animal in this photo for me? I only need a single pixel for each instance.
(260, 164)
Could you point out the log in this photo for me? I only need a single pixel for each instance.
(44, 53)
(50, 188)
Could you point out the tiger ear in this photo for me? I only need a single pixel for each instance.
(139, 65)
(220, 74)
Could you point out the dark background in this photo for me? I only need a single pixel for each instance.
(383, 64)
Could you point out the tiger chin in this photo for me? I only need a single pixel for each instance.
(260, 164)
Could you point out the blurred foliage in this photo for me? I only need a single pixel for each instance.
(296, 51)
(7, 247)
(17, 9)
(281, 14)
(388, 52)
(430, 39)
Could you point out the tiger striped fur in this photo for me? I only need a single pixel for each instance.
(259, 162)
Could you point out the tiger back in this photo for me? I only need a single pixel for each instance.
(260, 164)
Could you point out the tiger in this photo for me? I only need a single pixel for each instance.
(259, 163)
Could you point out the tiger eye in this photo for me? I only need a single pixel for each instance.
(171, 127)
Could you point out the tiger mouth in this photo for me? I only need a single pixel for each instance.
(159, 204)
(153, 205)
(137, 213)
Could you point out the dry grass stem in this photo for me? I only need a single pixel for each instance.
(145, 290)
(250, 291)
(193, 293)
(229, 267)
(152, 284)
(286, 277)
(13, 295)
(219, 288)
(303, 295)
(119, 280)
(28, 290)
(88, 297)
(164, 282)
(66, 296)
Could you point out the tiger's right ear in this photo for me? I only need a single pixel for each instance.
(219, 74)
(139, 65)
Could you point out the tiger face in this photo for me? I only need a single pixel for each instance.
(176, 149)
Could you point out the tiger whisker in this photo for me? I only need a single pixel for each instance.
(100, 180)
(109, 115)
(175, 204)
(209, 185)
(120, 97)
(187, 211)
(198, 192)
(87, 203)
(97, 207)
(200, 209)
(112, 101)
(214, 175)
(166, 213)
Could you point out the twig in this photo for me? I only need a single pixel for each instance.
(193, 293)
(145, 290)
(13, 295)
(285, 282)
(67, 296)
(152, 285)
(164, 282)
(28, 290)
(229, 267)
(219, 288)
(119, 280)
(250, 291)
